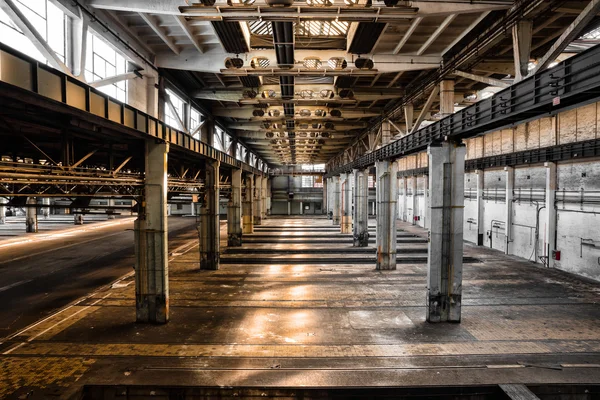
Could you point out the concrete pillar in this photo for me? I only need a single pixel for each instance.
(248, 206)
(111, 211)
(325, 204)
(234, 210)
(387, 195)
(386, 134)
(193, 208)
(151, 242)
(257, 200)
(269, 189)
(301, 207)
(209, 229)
(336, 194)
(415, 200)
(263, 194)
(550, 242)
(31, 220)
(404, 216)
(330, 201)
(446, 97)
(46, 210)
(3, 201)
(445, 254)
(289, 204)
(427, 223)
(480, 208)
(78, 219)
(409, 111)
(522, 32)
(510, 186)
(361, 211)
(346, 221)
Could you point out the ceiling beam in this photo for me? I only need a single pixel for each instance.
(152, 24)
(436, 34)
(588, 13)
(181, 21)
(482, 79)
(407, 35)
(466, 31)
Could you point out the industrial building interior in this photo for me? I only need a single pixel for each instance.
(300, 199)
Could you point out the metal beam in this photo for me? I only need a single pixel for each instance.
(466, 31)
(213, 61)
(436, 34)
(181, 21)
(588, 13)
(407, 35)
(112, 79)
(15, 14)
(152, 24)
(426, 108)
(482, 79)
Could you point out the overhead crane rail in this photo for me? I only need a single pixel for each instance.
(573, 82)
(24, 79)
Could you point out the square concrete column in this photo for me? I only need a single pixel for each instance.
(151, 242)
(263, 198)
(361, 208)
(234, 210)
(324, 203)
(445, 254)
(46, 209)
(337, 207)
(387, 195)
(269, 189)
(209, 228)
(248, 206)
(550, 244)
(404, 216)
(346, 222)
(446, 97)
(3, 201)
(427, 210)
(257, 214)
(330, 200)
(510, 186)
(31, 219)
(415, 199)
(480, 207)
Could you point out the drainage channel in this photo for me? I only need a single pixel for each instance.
(457, 392)
(340, 259)
(347, 250)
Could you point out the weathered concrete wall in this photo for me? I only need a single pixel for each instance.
(578, 193)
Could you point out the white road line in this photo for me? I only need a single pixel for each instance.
(59, 248)
(4, 288)
(190, 245)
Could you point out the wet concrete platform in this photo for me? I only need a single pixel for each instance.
(282, 323)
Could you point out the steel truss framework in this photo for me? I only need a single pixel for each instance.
(572, 82)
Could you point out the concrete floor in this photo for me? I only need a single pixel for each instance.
(269, 319)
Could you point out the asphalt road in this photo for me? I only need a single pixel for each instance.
(40, 274)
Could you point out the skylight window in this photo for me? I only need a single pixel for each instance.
(304, 28)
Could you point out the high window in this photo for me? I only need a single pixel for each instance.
(178, 104)
(102, 61)
(47, 19)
